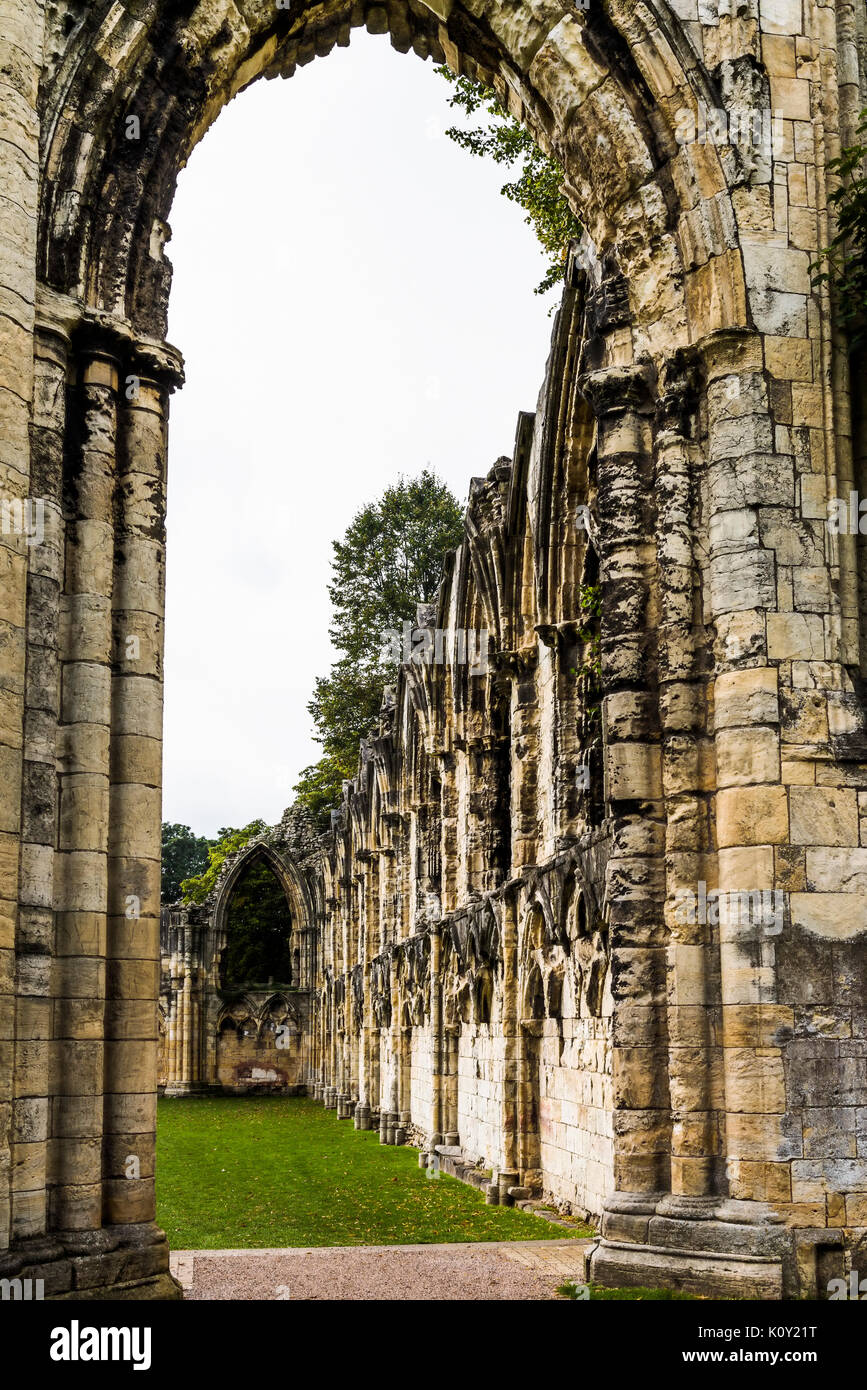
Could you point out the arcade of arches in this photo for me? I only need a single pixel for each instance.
(595, 905)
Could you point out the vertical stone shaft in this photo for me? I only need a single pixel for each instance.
(172, 1025)
(525, 757)
(394, 1089)
(448, 831)
(633, 778)
(134, 844)
(365, 1061)
(693, 974)
(511, 1036)
(752, 811)
(82, 862)
(39, 793)
(436, 1031)
(188, 1027)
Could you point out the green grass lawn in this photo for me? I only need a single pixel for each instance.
(266, 1171)
(599, 1294)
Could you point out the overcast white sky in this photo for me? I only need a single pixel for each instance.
(354, 300)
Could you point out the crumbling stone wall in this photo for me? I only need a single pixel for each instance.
(697, 422)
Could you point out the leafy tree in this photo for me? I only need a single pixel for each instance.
(183, 855)
(538, 186)
(389, 560)
(846, 257)
(258, 927)
(319, 787)
(197, 887)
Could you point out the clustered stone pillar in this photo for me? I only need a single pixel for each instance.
(188, 1066)
(87, 945)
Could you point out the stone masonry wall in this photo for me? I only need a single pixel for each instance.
(642, 819)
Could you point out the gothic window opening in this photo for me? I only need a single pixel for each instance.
(258, 931)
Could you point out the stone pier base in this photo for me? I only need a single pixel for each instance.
(115, 1262)
(718, 1249)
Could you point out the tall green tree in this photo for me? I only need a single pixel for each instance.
(197, 887)
(389, 560)
(183, 854)
(538, 185)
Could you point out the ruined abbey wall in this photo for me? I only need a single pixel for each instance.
(606, 926)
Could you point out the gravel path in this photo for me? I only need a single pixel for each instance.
(478, 1271)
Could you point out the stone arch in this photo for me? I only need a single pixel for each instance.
(105, 201)
(672, 227)
(237, 1016)
(625, 75)
(589, 950)
(554, 991)
(537, 928)
(278, 1010)
(483, 998)
(535, 936)
(284, 870)
(290, 880)
(533, 994)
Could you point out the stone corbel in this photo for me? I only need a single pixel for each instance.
(548, 634)
(516, 662)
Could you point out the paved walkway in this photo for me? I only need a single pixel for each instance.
(500, 1270)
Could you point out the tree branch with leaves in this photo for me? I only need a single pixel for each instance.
(843, 265)
(538, 185)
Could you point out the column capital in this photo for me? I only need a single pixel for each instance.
(729, 350)
(679, 391)
(619, 390)
(95, 331)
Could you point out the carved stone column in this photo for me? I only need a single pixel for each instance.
(436, 1032)
(621, 398)
(138, 602)
(688, 776)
